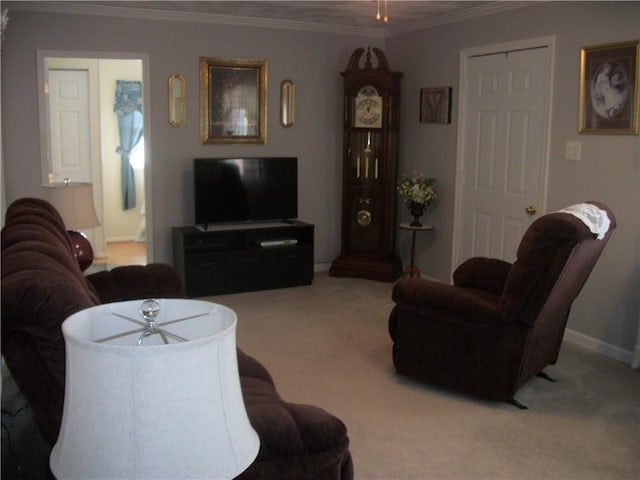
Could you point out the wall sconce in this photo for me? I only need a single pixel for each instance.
(287, 103)
(177, 101)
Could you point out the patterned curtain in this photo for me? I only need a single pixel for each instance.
(128, 107)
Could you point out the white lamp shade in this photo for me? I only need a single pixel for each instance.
(153, 411)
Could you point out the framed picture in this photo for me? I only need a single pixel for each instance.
(233, 95)
(609, 98)
(435, 105)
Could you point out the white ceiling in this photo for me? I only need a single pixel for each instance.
(348, 16)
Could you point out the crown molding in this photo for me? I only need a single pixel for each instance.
(82, 8)
(165, 15)
(461, 16)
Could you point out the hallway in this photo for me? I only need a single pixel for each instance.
(125, 253)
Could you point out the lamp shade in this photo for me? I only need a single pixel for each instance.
(156, 411)
(74, 202)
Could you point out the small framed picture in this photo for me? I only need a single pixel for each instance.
(435, 105)
(609, 97)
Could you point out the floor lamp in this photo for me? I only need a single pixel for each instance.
(74, 202)
(153, 391)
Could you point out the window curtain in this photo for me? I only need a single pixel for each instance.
(128, 107)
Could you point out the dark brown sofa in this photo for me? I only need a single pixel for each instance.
(499, 324)
(42, 285)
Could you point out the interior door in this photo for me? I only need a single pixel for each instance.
(501, 178)
(70, 135)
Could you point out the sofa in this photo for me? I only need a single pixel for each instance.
(42, 285)
(500, 323)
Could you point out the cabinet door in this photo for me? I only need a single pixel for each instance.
(293, 266)
(251, 270)
(207, 274)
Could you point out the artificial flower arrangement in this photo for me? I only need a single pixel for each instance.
(417, 189)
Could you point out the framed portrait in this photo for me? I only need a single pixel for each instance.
(233, 96)
(609, 98)
(435, 105)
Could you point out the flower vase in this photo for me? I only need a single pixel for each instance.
(417, 210)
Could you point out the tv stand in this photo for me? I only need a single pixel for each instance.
(244, 257)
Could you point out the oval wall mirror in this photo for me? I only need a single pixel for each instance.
(287, 103)
(177, 103)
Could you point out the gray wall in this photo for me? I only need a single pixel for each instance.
(607, 311)
(313, 60)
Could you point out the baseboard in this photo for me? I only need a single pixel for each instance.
(598, 346)
(128, 238)
(635, 363)
(321, 267)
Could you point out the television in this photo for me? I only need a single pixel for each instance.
(244, 190)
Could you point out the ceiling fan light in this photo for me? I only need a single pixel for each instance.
(385, 19)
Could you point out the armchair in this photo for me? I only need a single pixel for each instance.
(499, 324)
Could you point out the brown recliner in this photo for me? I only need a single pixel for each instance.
(499, 324)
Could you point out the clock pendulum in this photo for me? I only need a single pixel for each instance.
(364, 214)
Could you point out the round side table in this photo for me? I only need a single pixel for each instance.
(412, 271)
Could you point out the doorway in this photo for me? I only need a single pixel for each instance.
(503, 145)
(100, 163)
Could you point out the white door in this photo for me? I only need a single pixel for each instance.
(502, 166)
(70, 134)
(69, 123)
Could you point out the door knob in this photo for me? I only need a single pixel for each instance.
(531, 210)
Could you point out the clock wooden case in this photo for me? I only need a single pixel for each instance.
(370, 159)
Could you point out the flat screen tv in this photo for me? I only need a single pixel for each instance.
(242, 190)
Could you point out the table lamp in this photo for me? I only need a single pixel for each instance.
(153, 391)
(74, 202)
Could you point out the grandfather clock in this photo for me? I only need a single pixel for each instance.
(370, 158)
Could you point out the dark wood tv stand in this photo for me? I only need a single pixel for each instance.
(240, 258)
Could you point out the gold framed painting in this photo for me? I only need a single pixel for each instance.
(233, 100)
(609, 97)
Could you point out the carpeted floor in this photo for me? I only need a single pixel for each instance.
(327, 344)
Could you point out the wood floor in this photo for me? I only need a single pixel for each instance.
(125, 253)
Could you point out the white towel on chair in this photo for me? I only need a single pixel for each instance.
(593, 217)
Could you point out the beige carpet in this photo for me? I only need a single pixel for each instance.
(328, 345)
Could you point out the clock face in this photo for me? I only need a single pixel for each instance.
(368, 108)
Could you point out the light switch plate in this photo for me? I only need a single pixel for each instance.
(573, 150)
